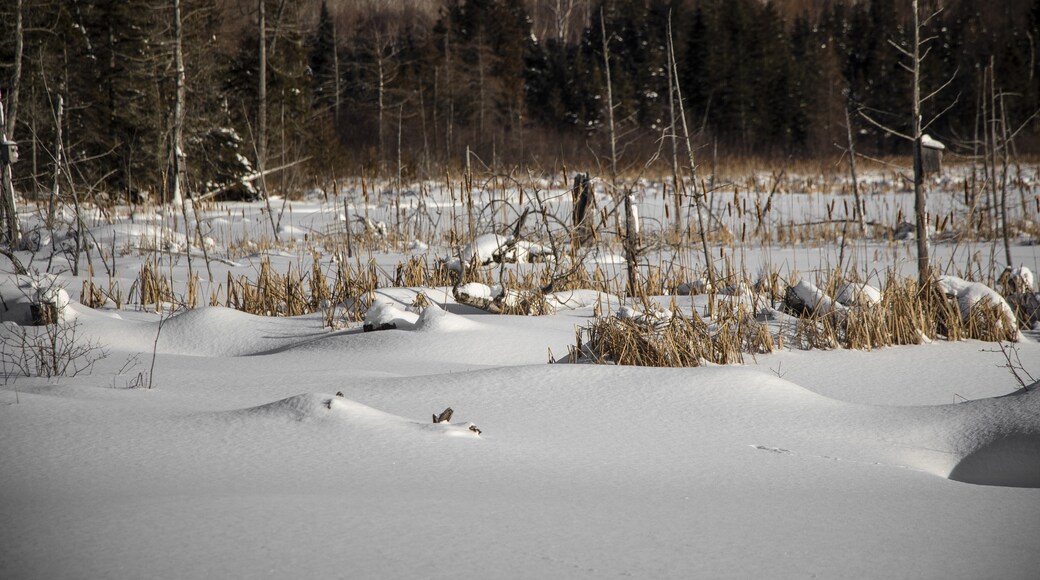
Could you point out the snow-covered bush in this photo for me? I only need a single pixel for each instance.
(983, 310)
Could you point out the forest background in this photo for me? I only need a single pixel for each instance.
(415, 88)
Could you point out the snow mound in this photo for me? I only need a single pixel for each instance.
(19, 294)
(483, 248)
(577, 299)
(1002, 446)
(383, 313)
(215, 331)
(436, 319)
(336, 409)
(1010, 461)
(480, 291)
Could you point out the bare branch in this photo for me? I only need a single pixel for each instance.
(888, 130)
(932, 15)
(905, 52)
(940, 114)
(940, 89)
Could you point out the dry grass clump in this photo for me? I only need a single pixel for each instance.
(153, 287)
(94, 296)
(680, 341)
(906, 314)
(271, 294)
(416, 271)
(986, 321)
(297, 292)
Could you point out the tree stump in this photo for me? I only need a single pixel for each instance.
(444, 417)
(583, 199)
(44, 313)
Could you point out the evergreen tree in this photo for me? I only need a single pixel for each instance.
(323, 62)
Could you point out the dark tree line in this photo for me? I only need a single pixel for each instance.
(410, 87)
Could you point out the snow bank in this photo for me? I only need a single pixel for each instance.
(1000, 443)
(336, 409)
(436, 319)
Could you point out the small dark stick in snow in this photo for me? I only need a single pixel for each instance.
(339, 393)
(474, 429)
(444, 417)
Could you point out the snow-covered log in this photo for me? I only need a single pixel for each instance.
(852, 294)
(498, 300)
(805, 299)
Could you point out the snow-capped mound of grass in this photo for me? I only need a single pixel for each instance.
(384, 314)
(1020, 279)
(970, 295)
(20, 294)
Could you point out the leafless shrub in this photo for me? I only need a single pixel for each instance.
(54, 350)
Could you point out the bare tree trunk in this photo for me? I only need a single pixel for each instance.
(920, 207)
(451, 99)
(8, 211)
(610, 106)
(335, 71)
(261, 121)
(400, 123)
(177, 171)
(480, 81)
(380, 88)
(261, 116)
(858, 213)
(676, 193)
(991, 132)
(13, 232)
(629, 241)
(59, 150)
(699, 198)
(16, 78)
(1005, 226)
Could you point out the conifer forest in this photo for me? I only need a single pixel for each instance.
(122, 94)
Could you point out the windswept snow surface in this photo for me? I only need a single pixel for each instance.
(243, 462)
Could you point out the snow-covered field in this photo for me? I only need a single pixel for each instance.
(280, 447)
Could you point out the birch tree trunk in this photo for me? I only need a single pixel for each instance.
(12, 233)
(8, 211)
(177, 170)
